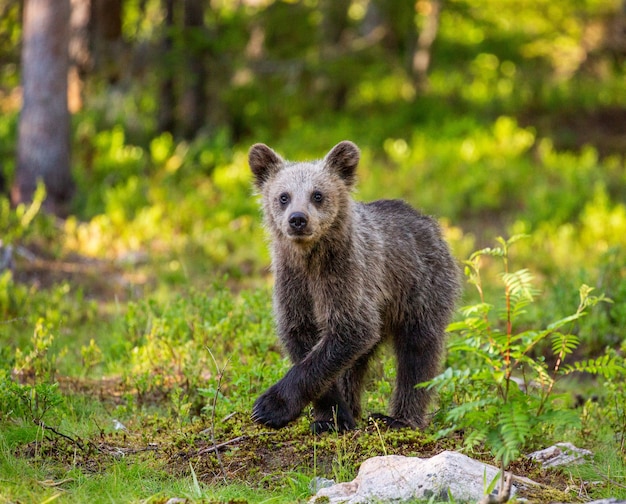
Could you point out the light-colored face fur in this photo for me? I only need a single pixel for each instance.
(302, 201)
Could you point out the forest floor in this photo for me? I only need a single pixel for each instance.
(230, 450)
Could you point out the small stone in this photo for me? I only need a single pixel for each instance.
(560, 454)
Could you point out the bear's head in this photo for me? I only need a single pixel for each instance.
(303, 201)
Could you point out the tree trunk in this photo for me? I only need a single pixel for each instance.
(422, 54)
(79, 51)
(43, 151)
(193, 104)
(106, 27)
(332, 53)
(167, 102)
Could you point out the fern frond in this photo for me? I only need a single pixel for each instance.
(479, 309)
(520, 282)
(513, 429)
(475, 437)
(488, 251)
(501, 451)
(608, 366)
(449, 378)
(543, 378)
(514, 424)
(461, 411)
(564, 344)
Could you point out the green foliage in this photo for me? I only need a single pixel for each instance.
(26, 310)
(616, 409)
(38, 393)
(29, 402)
(38, 362)
(505, 139)
(178, 199)
(170, 349)
(496, 389)
(19, 223)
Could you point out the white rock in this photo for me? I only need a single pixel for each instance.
(318, 483)
(560, 454)
(609, 501)
(395, 479)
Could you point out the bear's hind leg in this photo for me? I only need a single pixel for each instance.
(418, 348)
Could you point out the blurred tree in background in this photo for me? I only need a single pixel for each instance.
(43, 151)
(257, 69)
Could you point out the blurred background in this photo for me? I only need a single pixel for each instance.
(498, 117)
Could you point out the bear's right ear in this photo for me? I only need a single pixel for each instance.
(264, 162)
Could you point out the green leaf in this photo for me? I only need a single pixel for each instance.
(488, 251)
(561, 322)
(564, 344)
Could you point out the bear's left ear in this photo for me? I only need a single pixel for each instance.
(343, 160)
(264, 162)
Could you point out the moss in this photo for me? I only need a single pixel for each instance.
(546, 494)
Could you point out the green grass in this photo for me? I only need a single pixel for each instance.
(177, 372)
(151, 305)
(161, 318)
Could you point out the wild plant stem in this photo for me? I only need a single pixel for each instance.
(509, 328)
(477, 280)
(220, 375)
(557, 366)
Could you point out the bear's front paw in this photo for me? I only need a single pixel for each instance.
(275, 409)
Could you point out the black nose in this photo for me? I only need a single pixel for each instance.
(297, 221)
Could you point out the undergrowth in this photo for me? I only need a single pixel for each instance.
(178, 378)
(501, 384)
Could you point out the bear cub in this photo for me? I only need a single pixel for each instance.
(348, 276)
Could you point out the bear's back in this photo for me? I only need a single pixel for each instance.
(405, 254)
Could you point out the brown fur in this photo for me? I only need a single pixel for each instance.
(349, 275)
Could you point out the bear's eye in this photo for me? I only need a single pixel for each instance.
(284, 199)
(317, 197)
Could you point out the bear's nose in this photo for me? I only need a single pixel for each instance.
(297, 221)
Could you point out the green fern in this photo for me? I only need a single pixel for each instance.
(564, 344)
(609, 366)
(488, 405)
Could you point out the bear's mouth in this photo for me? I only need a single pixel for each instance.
(300, 236)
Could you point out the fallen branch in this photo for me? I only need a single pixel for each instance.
(218, 447)
(60, 434)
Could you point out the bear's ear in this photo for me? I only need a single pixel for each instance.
(264, 162)
(343, 159)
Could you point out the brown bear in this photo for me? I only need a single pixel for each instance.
(348, 276)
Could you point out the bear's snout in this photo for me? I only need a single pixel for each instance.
(298, 222)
